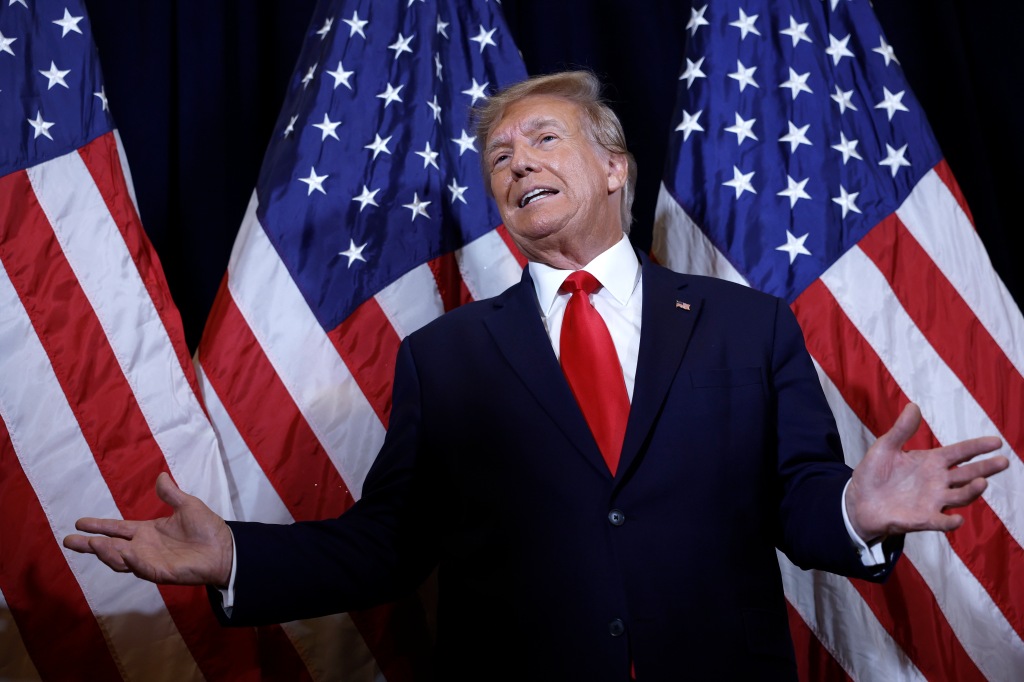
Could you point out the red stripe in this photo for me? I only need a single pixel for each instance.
(963, 343)
(814, 663)
(905, 606)
(41, 591)
(513, 249)
(449, 281)
(368, 345)
(104, 165)
(105, 407)
(945, 174)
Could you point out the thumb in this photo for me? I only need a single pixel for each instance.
(905, 426)
(168, 491)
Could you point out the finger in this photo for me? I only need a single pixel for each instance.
(968, 449)
(903, 428)
(78, 543)
(115, 528)
(960, 475)
(168, 491)
(965, 494)
(947, 522)
(108, 550)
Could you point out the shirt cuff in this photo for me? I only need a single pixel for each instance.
(870, 555)
(227, 594)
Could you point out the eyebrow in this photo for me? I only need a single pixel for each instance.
(532, 125)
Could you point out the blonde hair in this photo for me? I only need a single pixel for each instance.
(582, 88)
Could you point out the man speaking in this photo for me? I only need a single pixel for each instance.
(600, 462)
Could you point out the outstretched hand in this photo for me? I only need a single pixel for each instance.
(192, 546)
(893, 491)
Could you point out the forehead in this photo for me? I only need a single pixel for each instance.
(533, 112)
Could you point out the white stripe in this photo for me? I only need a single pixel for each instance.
(333, 649)
(61, 469)
(487, 266)
(681, 245)
(15, 663)
(97, 254)
(304, 358)
(953, 415)
(845, 625)
(411, 301)
(947, 407)
(933, 215)
(123, 158)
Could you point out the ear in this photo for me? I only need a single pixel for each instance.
(618, 169)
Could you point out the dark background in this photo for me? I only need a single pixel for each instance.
(195, 87)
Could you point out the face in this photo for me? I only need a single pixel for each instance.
(557, 190)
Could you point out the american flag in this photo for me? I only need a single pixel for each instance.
(368, 220)
(97, 391)
(801, 164)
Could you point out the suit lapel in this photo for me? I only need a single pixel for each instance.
(667, 321)
(517, 329)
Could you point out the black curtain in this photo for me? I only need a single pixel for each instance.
(195, 87)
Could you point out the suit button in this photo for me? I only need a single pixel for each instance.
(616, 628)
(616, 517)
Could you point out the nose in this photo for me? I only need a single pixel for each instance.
(523, 160)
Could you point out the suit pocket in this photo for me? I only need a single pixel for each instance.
(730, 376)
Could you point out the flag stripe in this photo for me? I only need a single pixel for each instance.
(876, 398)
(945, 174)
(448, 279)
(814, 662)
(15, 664)
(67, 619)
(408, 303)
(490, 264)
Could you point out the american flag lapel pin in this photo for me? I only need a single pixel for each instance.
(684, 306)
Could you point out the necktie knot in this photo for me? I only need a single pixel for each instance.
(581, 281)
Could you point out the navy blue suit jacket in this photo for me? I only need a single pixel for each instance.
(550, 568)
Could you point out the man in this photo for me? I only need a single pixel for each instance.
(578, 542)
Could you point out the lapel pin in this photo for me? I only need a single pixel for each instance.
(684, 306)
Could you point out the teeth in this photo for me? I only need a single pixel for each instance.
(531, 195)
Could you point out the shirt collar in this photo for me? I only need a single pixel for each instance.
(617, 269)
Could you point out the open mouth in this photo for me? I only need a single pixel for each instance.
(535, 194)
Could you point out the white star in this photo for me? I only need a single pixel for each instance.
(324, 30)
(417, 207)
(5, 44)
(341, 76)
(885, 49)
(367, 197)
(846, 200)
(429, 156)
(465, 142)
(744, 76)
(290, 128)
(68, 23)
(837, 48)
(796, 137)
(437, 66)
(410, 3)
(692, 72)
(742, 129)
(894, 158)
(20, 2)
(690, 124)
(797, 83)
(353, 252)
(476, 91)
(746, 24)
(892, 103)
(102, 94)
(309, 75)
(356, 25)
(436, 108)
(794, 246)
(457, 191)
(401, 45)
(796, 31)
(327, 128)
(314, 182)
(442, 26)
(696, 20)
(794, 191)
(847, 148)
(41, 127)
(740, 182)
(378, 145)
(844, 98)
(484, 38)
(391, 95)
(55, 76)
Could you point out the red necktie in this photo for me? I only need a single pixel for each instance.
(592, 367)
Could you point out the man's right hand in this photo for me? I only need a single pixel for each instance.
(192, 546)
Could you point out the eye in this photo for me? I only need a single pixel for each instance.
(547, 137)
(498, 159)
